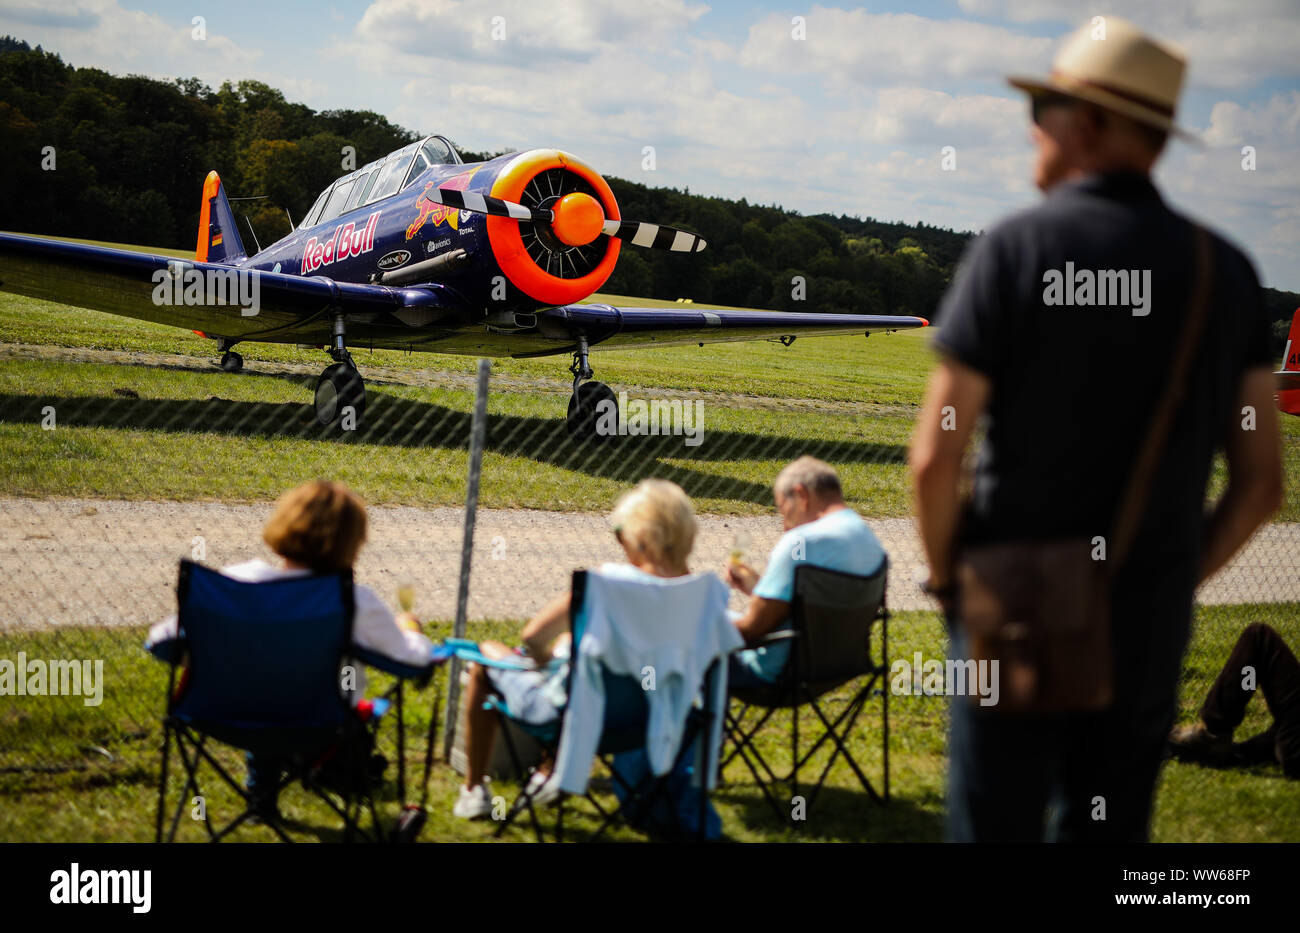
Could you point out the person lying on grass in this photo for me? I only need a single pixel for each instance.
(1260, 663)
(655, 525)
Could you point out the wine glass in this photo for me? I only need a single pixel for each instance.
(406, 600)
(740, 543)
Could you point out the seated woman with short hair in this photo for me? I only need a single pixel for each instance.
(319, 527)
(655, 525)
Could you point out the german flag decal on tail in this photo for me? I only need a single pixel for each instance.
(218, 235)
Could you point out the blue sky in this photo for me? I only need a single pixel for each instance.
(851, 119)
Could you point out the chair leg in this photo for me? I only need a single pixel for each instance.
(758, 778)
(162, 784)
(191, 783)
(884, 698)
(401, 747)
(742, 739)
(883, 673)
(525, 798)
(833, 731)
(794, 754)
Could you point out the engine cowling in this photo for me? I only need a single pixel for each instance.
(558, 263)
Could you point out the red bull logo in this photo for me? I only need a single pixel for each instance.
(347, 240)
(432, 210)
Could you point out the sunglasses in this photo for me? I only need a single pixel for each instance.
(1041, 102)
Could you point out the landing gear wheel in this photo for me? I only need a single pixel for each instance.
(588, 417)
(339, 387)
(231, 361)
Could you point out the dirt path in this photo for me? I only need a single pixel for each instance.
(96, 562)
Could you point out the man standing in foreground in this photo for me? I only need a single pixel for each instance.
(1061, 326)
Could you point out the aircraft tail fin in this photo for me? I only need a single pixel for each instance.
(218, 232)
(1291, 355)
(1288, 377)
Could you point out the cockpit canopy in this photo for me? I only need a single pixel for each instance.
(380, 178)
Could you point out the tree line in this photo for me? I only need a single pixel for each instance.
(129, 154)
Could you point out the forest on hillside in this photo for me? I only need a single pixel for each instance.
(130, 154)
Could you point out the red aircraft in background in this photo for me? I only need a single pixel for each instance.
(1288, 377)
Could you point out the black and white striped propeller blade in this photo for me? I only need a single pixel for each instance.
(654, 236)
(486, 204)
(650, 236)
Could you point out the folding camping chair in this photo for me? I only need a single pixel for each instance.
(832, 615)
(626, 717)
(264, 667)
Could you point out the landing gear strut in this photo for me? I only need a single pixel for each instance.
(593, 407)
(231, 361)
(340, 391)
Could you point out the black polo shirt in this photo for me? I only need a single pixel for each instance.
(1074, 386)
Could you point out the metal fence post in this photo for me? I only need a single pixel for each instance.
(477, 434)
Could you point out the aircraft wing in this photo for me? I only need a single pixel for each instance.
(208, 297)
(1286, 379)
(611, 327)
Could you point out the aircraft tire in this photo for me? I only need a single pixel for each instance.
(231, 361)
(338, 387)
(586, 417)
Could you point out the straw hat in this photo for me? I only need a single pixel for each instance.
(1127, 72)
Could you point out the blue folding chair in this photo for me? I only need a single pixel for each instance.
(267, 670)
(626, 717)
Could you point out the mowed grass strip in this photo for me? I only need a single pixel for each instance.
(197, 433)
(71, 772)
(885, 369)
(123, 431)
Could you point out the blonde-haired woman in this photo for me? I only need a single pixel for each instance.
(319, 527)
(655, 526)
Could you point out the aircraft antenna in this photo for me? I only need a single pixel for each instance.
(290, 216)
(254, 232)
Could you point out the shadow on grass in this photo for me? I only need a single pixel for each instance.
(838, 814)
(405, 423)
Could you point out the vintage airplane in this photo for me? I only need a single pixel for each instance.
(1287, 378)
(415, 251)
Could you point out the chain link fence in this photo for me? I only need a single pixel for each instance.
(115, 472)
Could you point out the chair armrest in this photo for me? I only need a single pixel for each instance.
(382, 662)
(772, 638)
(169, 650)
(472, 653)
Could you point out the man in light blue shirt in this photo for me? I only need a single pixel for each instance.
(819, 530)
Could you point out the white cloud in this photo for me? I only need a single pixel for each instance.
(1259, 208)
(104, 34)
(460, 30)
(850, 48)
(1228, 44)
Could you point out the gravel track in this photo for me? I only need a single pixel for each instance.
(71, 562)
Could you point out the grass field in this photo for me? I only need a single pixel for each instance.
(185, 430)
(69, 772)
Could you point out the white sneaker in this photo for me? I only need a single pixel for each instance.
(543, 789)
(473, 804)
